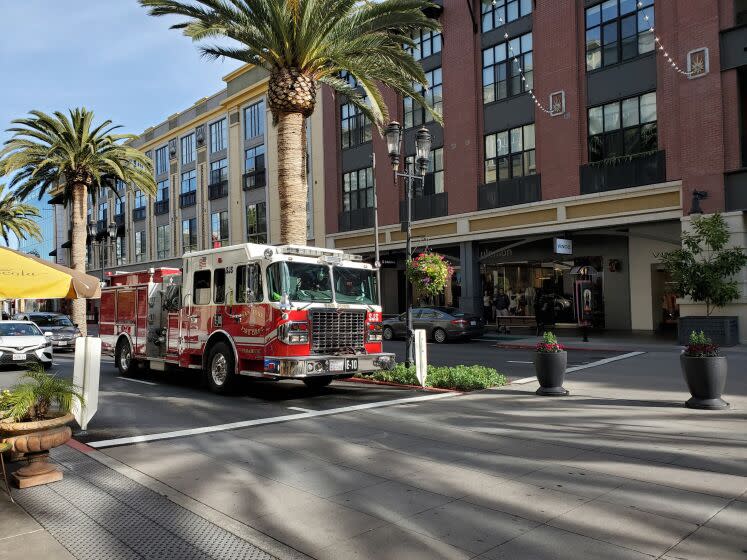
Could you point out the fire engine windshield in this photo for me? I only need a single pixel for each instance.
(301, 281)
(355, 285)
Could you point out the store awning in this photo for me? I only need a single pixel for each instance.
(53, 253)
(26, 277)
(66, 245)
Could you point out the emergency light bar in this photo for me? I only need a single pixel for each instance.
(329, 255)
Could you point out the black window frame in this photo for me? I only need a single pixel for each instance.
(142, 247)
(496, 14)
(192, 235)
(218, 131)
(242, 280)
(604, 37)
(222, 229)
(202, 274)
(364, 193)
(502, 61)
(416, 115)
(162, 190)
(162, 160)
(526, 155)
(191, 176)
(218, 171)
(257, 232)
(434, 175)
(165, 252)
(355, 126)
(427, 43)
(601, 145)
(188, 148)
(254, 120)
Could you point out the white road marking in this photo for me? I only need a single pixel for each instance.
(517, 362)
(136, 380)
(299, 409)
(524, 380)
(263, 421)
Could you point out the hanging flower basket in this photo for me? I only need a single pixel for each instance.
(429, 272)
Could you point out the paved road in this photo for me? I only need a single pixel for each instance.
(158, 402)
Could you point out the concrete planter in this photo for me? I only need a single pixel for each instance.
(723, 331)
(705, 378)
(32, 441)
(550, 370)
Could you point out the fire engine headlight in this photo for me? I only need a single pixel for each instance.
(374, 332)
(309, 367)
(298, 338)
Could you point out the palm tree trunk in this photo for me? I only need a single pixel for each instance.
(292, 178)
(78, 249)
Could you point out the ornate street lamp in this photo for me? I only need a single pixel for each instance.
(423, 139)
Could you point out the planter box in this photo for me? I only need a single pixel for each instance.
(723, 331)
(550, 370)
(706, 379)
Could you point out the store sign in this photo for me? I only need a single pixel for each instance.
(388, 262)
(563, 246)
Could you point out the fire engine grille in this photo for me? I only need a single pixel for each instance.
(337, 331)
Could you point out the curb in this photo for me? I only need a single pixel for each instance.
(575, 348)
(392, 384)
(79, 446)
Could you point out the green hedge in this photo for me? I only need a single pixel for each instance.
(460, 378)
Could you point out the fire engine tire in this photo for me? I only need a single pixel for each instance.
(220, 372)
(388, 333)
(317, 382)
(123, 357)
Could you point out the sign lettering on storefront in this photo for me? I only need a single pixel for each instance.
(563, 246)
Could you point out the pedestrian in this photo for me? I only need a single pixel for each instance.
(501, 304)
(539, 314)
(487, 305)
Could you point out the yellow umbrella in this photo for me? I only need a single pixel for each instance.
(27, 277)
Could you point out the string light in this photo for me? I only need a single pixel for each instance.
(530, 91)
(659, 47)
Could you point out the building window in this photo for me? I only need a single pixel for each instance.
(416, 115)
(162, 160)
(355, 126)
(219, 228)
(256, 223)
(139, 199)
(623, 128)
(189, 182)
(254, 120)
(119, 206)
(121, 186)
(163, 241)
(499, 12)
(434, 176)
(120, 251)
(189, 235)
(218, 136)
(349, 78)
(139, 246)
(358, 189)
(427, 43)
(618, 30)
(162, 191)
(501, 75)
(510, 154)
(188, 148)
(254, 165)
(218, 171)
(104, 212)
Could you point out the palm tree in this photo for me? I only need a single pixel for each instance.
(17, 218)
(50, 150)
(304, 43)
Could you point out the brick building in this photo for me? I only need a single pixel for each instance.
(608, 158)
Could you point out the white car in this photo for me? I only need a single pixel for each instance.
(23, 344)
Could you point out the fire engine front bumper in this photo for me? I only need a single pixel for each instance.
(318, 366)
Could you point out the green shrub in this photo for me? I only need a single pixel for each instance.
(460, 378)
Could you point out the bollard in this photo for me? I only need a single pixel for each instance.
(86, 373)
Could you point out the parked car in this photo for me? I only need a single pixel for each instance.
(64, 331)
(23, 344)
(440, 323)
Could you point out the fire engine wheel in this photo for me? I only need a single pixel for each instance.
(317, 382)
(220, 368)
(123, 356)
(388, 333)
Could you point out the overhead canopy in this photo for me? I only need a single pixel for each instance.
(27, 277)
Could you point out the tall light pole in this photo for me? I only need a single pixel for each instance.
(393, 135)
(111, 235)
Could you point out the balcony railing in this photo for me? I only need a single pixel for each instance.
(187, 199)
(138, 214)
(161, 207)
(509, 192)
(610, 175)
(254, 179)
(218, 190)
(359, 218)
(426, 206)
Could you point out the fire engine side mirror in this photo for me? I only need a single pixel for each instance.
(285, 302)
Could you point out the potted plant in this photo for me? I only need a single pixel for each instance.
(703, 269)
(550, 361)
(429, 272)
(34, 418)
(705, 373)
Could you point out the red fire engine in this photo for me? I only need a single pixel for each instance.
(287, 312)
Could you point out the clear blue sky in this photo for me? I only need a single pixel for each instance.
(108, 55)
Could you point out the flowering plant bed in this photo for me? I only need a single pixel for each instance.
(429, 272)
(549, 344)
(701, 346)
